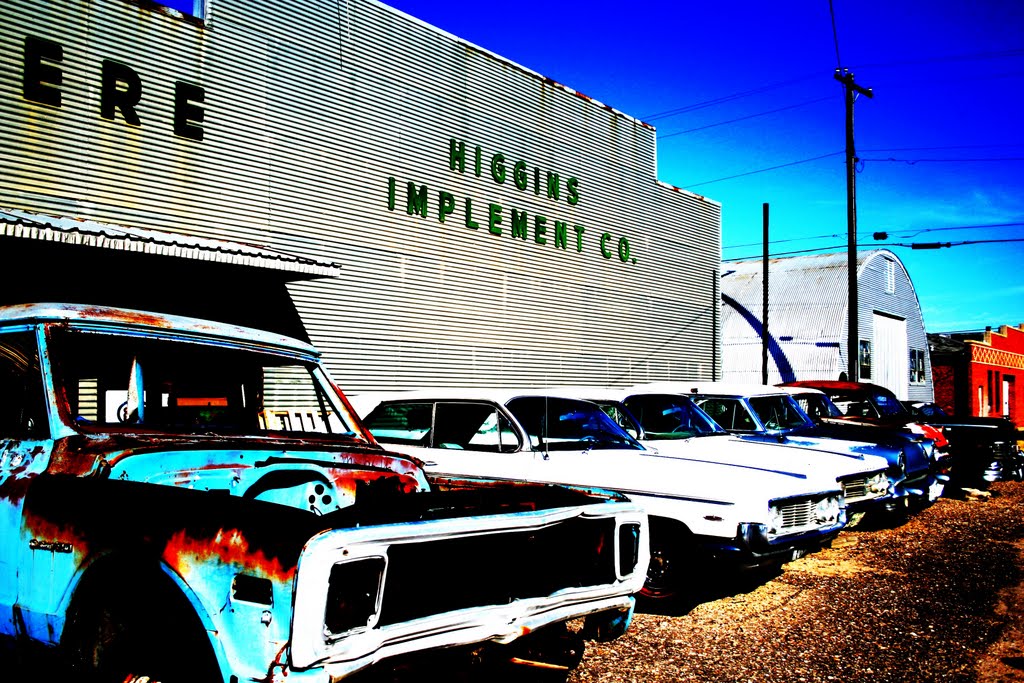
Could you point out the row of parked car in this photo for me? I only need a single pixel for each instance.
(732, 476)
(171, 485)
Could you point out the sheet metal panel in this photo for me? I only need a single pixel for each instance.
(808, 315)
(311, 111)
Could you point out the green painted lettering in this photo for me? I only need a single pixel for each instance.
(554, 186)
(470, 223)
(519, 175)
(572, 186)
(604, 250)
(623, 249)
(539, 229)
(494, 219)
(476, 169)
(519, 226)
(561, 233)
(416, 200)
(498, 168)
(391, 193)
(445, 205)
(579, 236)
(536, 180)
(457, 155)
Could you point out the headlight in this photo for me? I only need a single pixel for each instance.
(827, 510)
(775, 520)
(629, 548)
(878, 483)
(353, 595)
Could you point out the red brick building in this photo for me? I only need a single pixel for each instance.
(980, 374)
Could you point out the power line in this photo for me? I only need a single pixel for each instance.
(929, 149)
(912, 162)
(835, 35)
(1015, 52)
(971, 56)
(897, 230)
(744, 118)
(726, 98)
(910, 245)
(762, 170)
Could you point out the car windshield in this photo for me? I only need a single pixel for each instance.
(817, 406)
(729, 413)
(148, 384)
(887, 404)
(671, 416)
(779, 413)
(568, 424)
(873, 403)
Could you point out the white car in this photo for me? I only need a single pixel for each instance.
(732, 513)
(662, 408)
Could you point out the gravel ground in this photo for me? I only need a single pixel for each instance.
(939, 597)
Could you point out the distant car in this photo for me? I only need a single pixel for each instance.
(701, 513)
(768, 414)
(924, 409)
(982, 449)
(676, 426)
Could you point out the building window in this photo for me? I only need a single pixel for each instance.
(890, 276)
(917, 367)
(192, 8)
(865, 359)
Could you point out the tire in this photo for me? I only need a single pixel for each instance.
(670, 573)
(118, 634)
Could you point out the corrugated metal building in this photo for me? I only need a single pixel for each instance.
(425, 211)
(807, 322)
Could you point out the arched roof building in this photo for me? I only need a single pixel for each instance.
(807, 322)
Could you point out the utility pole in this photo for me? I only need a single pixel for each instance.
(764, 295)
(853, 331)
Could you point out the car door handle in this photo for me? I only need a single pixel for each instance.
(429, 463)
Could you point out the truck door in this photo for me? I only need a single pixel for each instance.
(24, 453)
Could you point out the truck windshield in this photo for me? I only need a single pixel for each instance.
(143, 384)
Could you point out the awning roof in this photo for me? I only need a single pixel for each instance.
(76, 231)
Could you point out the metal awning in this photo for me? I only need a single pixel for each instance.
(82, 232)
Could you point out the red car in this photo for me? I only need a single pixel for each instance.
(981, 449)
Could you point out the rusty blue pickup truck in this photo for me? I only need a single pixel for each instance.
(186, 500)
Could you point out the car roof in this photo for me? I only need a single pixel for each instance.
(500, 395)
(801, 390)
(709, 388)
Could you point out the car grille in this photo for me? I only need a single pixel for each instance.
(855, 489)
(798, 516)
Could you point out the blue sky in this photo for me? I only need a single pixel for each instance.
(748, 112)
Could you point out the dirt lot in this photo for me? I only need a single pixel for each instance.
(939, 597)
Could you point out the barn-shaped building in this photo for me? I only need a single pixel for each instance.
(807, 322)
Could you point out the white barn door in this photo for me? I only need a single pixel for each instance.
(891, 355)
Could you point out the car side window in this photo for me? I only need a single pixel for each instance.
(464, 425)
(22, 398)
(401, 423)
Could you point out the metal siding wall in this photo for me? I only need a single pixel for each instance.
(310, 108)
(807, 303)
(901, 304)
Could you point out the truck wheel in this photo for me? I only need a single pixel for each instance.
(120, 636)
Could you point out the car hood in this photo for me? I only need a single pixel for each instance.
(809, 459)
